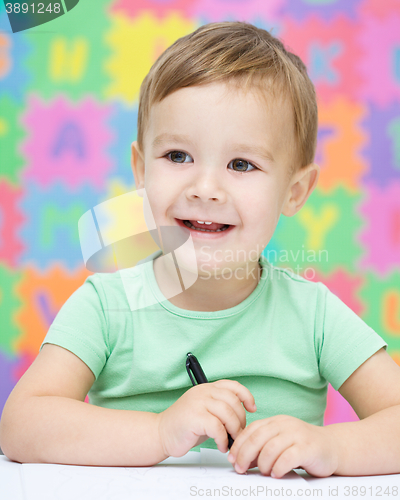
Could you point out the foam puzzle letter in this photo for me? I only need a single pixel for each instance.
(68, 60)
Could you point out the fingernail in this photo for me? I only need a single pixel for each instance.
(238, 468)
(255, 407)
(272, 474)
(231, 458)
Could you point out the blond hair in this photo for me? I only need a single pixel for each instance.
(241, 53)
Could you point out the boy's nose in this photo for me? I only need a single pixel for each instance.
(207, 187)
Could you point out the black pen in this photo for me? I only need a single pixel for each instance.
(193, 366)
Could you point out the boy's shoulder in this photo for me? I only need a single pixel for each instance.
(124, 288)
(289, 277)
(109, 287)
(294, 290)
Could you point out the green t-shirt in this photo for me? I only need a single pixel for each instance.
(284, 342)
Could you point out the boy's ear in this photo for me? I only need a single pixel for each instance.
(300, 187)
(137, 163)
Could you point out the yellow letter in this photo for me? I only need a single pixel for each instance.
(68, 64)
(318, 225)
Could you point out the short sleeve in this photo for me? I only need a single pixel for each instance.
(81, 325)
(346, 341)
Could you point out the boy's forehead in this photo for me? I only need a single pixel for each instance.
(273, 109)
(268, 96)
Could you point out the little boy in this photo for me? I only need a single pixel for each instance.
(227, 132)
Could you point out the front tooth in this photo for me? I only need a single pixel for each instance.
(208, 223)
(200, 222)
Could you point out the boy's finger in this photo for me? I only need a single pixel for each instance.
(215, 429)
(224, 412)
(231, 399)
(245, 396)
(242, 437)
(250, 449)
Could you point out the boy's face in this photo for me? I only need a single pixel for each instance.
(213, 173)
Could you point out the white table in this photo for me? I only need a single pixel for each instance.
(206, 474)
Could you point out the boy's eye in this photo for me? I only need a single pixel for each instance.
(177, 155)
(240, 165)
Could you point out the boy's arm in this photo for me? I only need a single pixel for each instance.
(45, 419)
(370, 446)
(53, 429)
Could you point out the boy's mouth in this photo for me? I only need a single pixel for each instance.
(196, 227)
(211, 228)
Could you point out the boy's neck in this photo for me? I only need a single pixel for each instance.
(212, 294)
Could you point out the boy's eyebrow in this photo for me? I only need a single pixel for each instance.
(245, 148)
(160, 139)
(257, 150)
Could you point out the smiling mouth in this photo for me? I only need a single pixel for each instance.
(190, 225)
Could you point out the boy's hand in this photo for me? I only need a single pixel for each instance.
(203, 411)
(281, 443)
